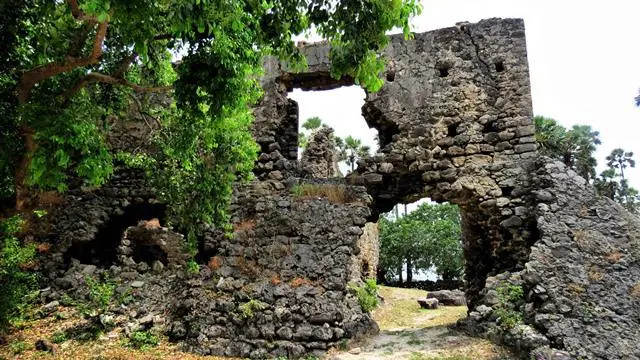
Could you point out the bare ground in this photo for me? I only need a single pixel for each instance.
(409, 332)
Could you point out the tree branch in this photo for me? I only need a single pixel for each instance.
(108, 79)
(79, 14)
(30, 78)
(78, 41)
(124, 65)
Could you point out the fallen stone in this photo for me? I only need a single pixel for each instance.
(44, 345)
(448, 297)
(51, 307)
(428, 303)
(137, 284)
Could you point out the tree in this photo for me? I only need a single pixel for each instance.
(620, 160)
(613, 184)
(574, 147)
(312, 123)
(427, 237)
(351, 150)
(74, 64)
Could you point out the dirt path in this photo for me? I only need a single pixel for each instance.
(409, 332)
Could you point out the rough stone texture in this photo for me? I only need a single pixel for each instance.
(428, 303)
(448, 297)
(364, 264)
(320, 157)
(584, 272)
(455, 122)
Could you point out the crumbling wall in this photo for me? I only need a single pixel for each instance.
(365, 262)
(320, 157)
(455, 124)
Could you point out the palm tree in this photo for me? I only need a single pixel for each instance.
(312, 123)
(619, 159)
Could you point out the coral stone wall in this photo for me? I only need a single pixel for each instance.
(455, 123)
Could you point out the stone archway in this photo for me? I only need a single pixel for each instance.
(455, 122)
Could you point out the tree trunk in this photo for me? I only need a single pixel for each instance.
(400, 274)
(409, 270)
(22, 193)
(381, 276)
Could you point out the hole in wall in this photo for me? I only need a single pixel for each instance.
(499, 66)
(102, 250)
(419, 264)
(452, 130)
(443, 70)
(391, 76)
(341, 110)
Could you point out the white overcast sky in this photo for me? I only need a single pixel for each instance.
(584, 62)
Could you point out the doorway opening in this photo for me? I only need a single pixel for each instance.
(332, 129)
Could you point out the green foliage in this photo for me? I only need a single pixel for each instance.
(204, 143)
(510, 297)
(351, 150)
(193, 267)
(249, 308)
(100, 293)
(143, 340)
(613, 184)
(59, 337)
(15, 283)
(574, 147)
(297, 190)
(429, 236)
(367, 295)
(312, 123)
(343, 344)
(40, 213)
(18, 347)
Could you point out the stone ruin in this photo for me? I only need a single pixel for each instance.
(455, 124)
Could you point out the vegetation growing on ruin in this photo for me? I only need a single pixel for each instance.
(74, 66)
(510, 298)
(335, 193)
(367, 294)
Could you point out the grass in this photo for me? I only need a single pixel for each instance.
(107, 346)
(336, 194)
(401, 310)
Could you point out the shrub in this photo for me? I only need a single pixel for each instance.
(15, 281)
(193, 267)
(367, 295)
(509, 297)
(59, 337)
(143, 340)
(250, 307)
(100, 293)
(18, 347)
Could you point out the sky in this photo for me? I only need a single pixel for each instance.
(584, 64)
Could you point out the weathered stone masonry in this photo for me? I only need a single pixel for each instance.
(455, 121)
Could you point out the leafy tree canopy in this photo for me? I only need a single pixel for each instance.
(72, 65)
(574, 147)
(427, 237)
